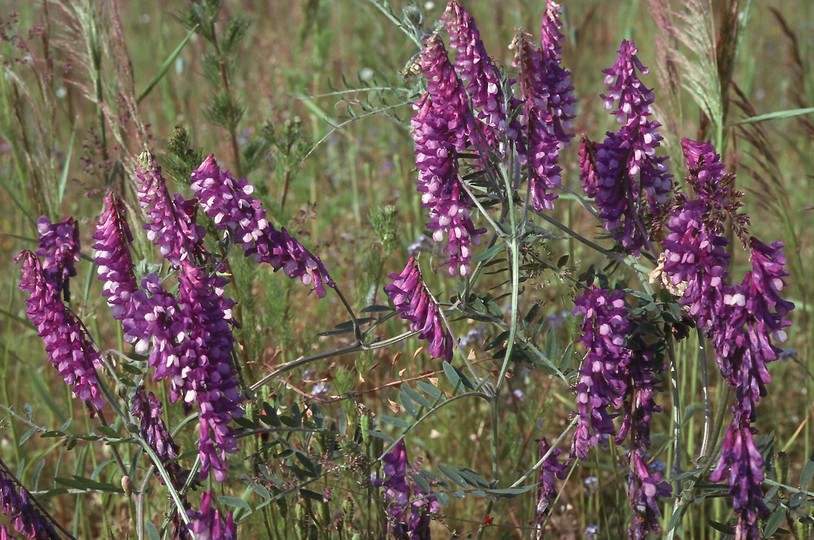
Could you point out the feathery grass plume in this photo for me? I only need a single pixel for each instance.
(415, 304)
(209, 524)
(171, 223)
(604, 375)
(631, 185)
(58, 249)
(22, 513)
(67, 345)
(114, 263)
(546, 491)
(232, 207)
(478, 72)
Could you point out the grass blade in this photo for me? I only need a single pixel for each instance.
(166, 65)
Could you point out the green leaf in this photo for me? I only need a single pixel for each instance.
(398, 422)
(808, 473)
(473, 478)
(430, 390)
(488, 254)
(63, 178)
(152, 532)
(27, 435)
(453, 475)
(415, 396)
(235, 502)
(408, 404)
(790, 113)
(165, 66)
(509, 492)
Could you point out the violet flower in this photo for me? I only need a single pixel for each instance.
(397, 498)
(171, 224)
(696, 255)
(115, 265)
(209, 524)
(67, 345)
(415, 304)
(478, 72)
(604, 375)
(230, 204)
(59, 251)
(549, 106)
(21, 512)
(631, 184)
(742, 466)
(147, 409)
(546, 490)
(644, 489)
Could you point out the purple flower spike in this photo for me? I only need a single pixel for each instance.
(59, 250)
(696, 256)
(604, 374)
(230, 204)
(115, 265)
(644, 489)
(21, 512)
(147, 409)
(171, 222)
(478, 71)
(561, 102)
(742, 465)
(68, 347)
(546, 489)
(397, 494)
(414, 303)
(631, 184)
(209, 524)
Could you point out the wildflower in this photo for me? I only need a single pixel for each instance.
(560, 102)
(21, 511)
(112, 257)
(230, 204)
(631, 185)
(644, 489)
(591, 532)
(440, 130)
(59, 251)
(209, 524)
(67, 345)
(171, 222)
(604, 375)
(414, 303)
(546, 490)
(478, 71)
(488, 520)
(147, 409)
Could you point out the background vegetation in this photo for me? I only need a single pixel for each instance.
(87, 85)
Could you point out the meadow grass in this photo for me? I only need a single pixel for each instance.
(94, 84)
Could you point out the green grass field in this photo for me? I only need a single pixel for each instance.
(311, 101)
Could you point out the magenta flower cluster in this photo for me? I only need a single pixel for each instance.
(209, 524)
(22, 513)
(58, 250)
(546, 490)
(415, 304)
(148, 411)
(629, 182)
(230, 204)
(409, 509)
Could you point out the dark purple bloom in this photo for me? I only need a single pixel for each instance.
(115, 265)
(171, 223)
(398, 490)
(604, 374)
(560, 102)
(59, 250)
(414, 303)
(696, 256)
(147, 409)
(67, 345)
(631, 184)
(209, 524)
(742, 466)
(644, 489)
(20, 510)
(232, 207)
(546, 490)
(440, 188)
(478, 72)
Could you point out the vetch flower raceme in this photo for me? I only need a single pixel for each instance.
(478, 72)
(546, 490)
(644, 489)
(604, 375)
(209, 524)
(414, 303)
(147, 409)
(171, 222)
(232, 207)
(630, 183)
(21, 512)
(115, 265)
(59, 250)
(67, 345)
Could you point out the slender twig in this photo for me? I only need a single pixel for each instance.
(702, 353)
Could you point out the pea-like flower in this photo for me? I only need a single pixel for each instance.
(209, 524)
(20, 510)
(415, 304)
(59, 250)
